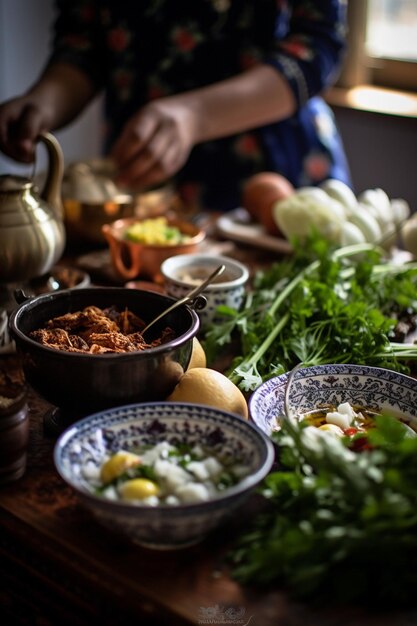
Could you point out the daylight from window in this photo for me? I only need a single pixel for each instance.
(392, 29)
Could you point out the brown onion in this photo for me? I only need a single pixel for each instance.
(260, 192)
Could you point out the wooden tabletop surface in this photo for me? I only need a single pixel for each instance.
(59, 566)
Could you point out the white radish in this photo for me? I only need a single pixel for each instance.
(339, 191)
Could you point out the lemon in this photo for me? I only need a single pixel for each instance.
(198, 356)
(117, 464)
(203, 385)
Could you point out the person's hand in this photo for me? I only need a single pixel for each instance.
(155, 143)
(21, 122)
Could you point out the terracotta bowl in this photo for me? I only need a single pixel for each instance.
(131, 259)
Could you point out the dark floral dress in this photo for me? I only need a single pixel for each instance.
(139, 50)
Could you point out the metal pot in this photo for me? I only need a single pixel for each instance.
(81, 383)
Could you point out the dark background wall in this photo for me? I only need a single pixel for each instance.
(382, 151)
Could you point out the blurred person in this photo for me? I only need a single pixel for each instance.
(205, 93)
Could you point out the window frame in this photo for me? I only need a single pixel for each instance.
(360, 68)
(393, 73)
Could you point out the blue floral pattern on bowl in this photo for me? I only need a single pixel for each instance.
(229, 292)
(87, 443)
(372, 387)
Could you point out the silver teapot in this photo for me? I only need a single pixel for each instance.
(32, 231)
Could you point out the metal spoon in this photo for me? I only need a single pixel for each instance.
(188, 298)
(287, 413)
(287, 410)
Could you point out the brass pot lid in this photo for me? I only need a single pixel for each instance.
(92, 182)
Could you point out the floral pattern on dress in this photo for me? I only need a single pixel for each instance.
(123, 80)
(118, 39)
(247, 146)
(317, 166)
(298, 47)
(185, 40)
(138, 52)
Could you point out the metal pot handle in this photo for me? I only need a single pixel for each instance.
(199, 303)
(21, 296)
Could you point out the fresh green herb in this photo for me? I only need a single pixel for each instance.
(341, 526)
(321, 306)
(138, 471)
(226, 480)
(181, 449)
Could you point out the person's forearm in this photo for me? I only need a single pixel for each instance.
(63, 91)
(157, 140)
(257, 97)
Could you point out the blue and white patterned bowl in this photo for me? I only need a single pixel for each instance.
(372, 387)
(228, 289)
(163, 527)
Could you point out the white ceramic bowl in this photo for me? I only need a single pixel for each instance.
(128, 427)
(372, 387)
(183, 272)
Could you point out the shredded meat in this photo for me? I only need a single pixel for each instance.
(97, 331)
(60, 339)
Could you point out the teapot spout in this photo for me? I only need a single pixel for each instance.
(51, 192)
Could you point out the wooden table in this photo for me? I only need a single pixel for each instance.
(59, 566)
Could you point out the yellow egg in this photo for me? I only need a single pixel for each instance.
(332, 428)
(138, 489)
(117, 464)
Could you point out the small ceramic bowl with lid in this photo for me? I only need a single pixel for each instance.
(182, 273)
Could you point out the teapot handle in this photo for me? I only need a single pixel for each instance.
(51, 192)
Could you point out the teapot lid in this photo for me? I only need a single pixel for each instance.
(13, 183)
(93, 181)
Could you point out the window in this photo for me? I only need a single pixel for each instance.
(392, 29)
(382, 44)
(391, 42)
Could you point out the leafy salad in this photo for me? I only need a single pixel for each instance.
(322, 305)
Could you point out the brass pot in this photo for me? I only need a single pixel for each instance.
(92, 199)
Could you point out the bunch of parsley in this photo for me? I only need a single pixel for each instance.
(341, 526)
(320, 306)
